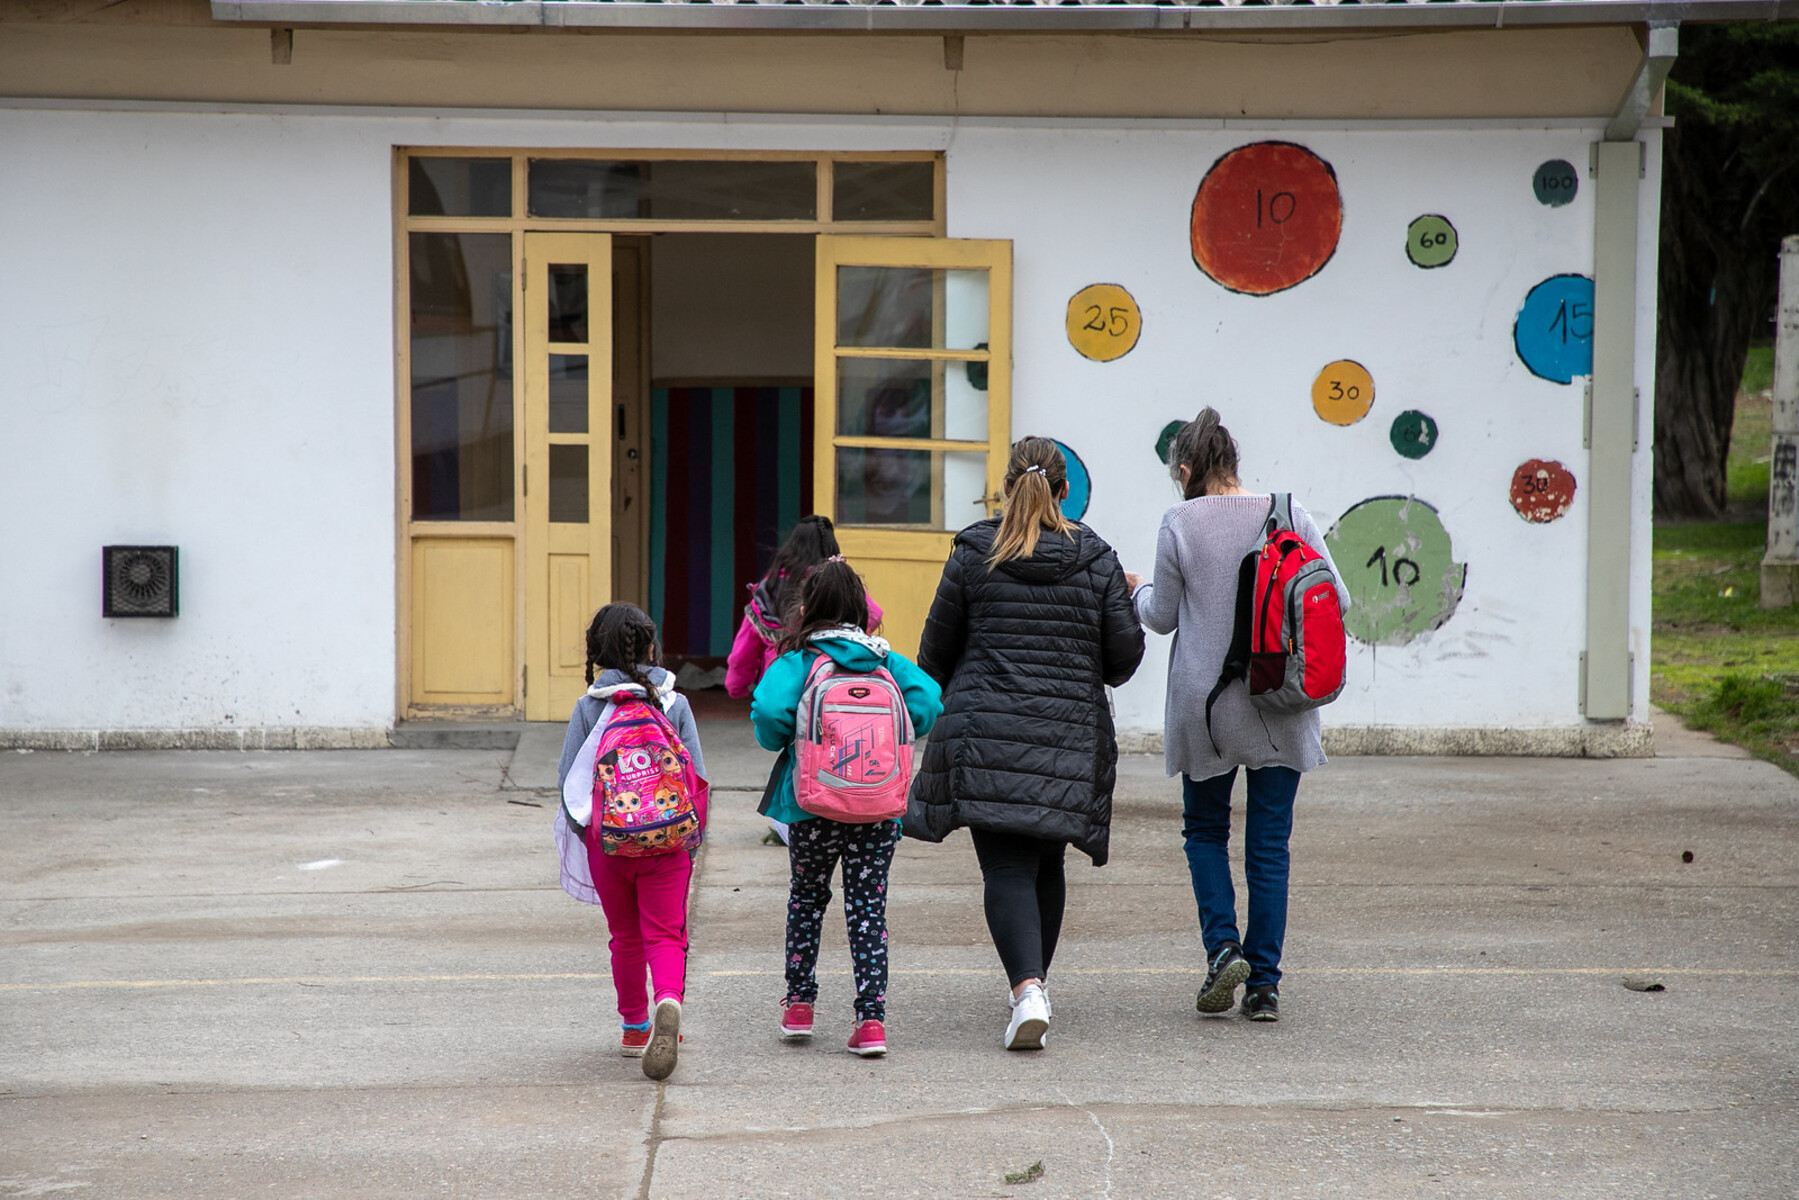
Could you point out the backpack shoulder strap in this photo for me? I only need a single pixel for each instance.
(1280, 515)
(1236, 658)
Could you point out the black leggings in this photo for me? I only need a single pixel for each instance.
(1025, 893)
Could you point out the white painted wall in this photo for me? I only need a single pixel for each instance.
(199, 349)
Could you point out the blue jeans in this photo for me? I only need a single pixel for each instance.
(1206, 807)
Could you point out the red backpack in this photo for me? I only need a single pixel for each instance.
(1288, 637)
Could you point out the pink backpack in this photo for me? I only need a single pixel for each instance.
(853, 743)
(643, 785)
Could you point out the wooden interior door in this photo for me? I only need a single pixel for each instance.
(914, 415)
(568, 434)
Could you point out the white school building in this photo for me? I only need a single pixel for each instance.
(356, 350)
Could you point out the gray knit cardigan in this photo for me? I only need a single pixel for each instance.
(1193, 596)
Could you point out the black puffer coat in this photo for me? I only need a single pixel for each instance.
(1024, 652)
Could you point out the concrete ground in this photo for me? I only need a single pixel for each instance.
(352, 974)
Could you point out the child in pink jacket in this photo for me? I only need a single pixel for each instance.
(812, 541)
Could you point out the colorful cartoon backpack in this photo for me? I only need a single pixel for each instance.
(643, 785)
(1288, 639)
(853, 745)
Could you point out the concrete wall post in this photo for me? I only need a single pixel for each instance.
(1780, 567)
(1618, 167)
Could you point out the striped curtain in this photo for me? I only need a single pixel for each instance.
(730, 473)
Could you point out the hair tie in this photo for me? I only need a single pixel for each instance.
(1034, 468)
(835, 558)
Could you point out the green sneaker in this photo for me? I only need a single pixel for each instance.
(1228, 971)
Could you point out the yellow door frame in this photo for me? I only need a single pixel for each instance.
(902, 564)
(566, 561)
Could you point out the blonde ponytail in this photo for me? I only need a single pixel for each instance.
(1035, 474)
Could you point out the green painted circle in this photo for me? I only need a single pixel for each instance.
(1555, 183)
(1165, 440)
(1430, 241)
(1396, 559)
(1413, 434)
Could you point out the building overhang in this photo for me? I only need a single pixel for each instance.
(961, 16)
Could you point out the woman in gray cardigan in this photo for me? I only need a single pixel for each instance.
(1201, 544)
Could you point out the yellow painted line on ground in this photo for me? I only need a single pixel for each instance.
(591, 976)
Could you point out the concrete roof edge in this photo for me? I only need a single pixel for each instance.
(996, 18)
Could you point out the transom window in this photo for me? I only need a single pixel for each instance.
(897, 193)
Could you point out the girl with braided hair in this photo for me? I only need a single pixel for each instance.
(645, 899)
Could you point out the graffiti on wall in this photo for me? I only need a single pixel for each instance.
(1398, 563)
(1267, 217)
(1542, 490)
(1431, 241)
(1080, 484)
(1343, 392)
(1554, 329)
(1104, 322)
(1555, 183)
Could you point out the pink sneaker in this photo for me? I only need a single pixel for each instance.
(633, 1042)
(869, 1040)
(796, 1020)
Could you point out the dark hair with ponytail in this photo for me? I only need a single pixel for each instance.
(812, 541)
(1036, 481)
(1208, 451)
(621, 637)
(831, 596)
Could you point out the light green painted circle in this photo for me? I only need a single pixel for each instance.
(1396, 559)
(1430, 241)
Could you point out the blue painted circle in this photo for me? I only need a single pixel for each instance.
(1080, 485)
(1554, 330)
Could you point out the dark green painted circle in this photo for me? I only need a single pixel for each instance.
(977, 371)
(1165, 440)
(1430, 241)
(1413, 434)
(1555, 183)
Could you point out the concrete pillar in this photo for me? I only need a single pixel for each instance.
(1612, 423)
(1780, 567)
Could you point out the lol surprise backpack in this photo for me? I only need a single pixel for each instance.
(1288, 637)
(852, 745)
(643, 783)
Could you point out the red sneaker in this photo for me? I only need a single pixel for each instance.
(633, 1042)
(796, 1020)
(869, 1040)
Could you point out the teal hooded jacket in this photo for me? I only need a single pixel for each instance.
(776, 702)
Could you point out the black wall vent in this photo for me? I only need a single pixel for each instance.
(142, 581)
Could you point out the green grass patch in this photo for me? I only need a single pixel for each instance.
(1751, 449)
(1758, 370)
(1708, 616)
(1721, 661)
(1757, 712)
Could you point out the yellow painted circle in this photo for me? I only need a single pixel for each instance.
(1103, 322)
(1343, 392)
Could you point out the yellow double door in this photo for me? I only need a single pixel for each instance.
(912, 424)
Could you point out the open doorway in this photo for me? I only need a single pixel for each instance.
(726, 404)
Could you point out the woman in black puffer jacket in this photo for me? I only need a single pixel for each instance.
(1032, 622)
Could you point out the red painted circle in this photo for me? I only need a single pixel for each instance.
(1542, 490)
(1266, 217)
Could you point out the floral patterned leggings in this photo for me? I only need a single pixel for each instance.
(813, 849)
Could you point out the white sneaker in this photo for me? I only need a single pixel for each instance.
(1048, 1009)
(1029, 1027)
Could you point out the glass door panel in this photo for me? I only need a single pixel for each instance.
(914, 405)
(566, 557)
